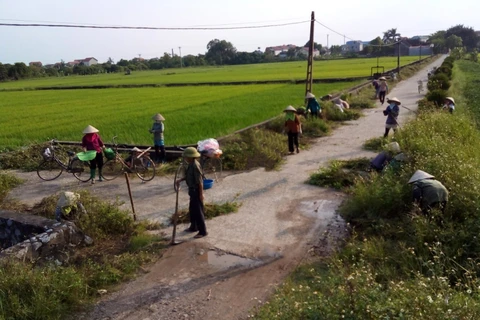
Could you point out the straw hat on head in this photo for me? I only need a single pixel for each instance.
(190, 152)
(90, 129)
(382, 79)
(158, 117)
(290, 109)
(394, 99)
(450, 99)
(393, 146)
(309, 95)
(420, 175)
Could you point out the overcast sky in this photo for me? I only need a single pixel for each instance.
(362, 20)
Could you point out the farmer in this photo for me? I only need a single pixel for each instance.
(449, 104)
(376, 86)
(193, 178)
(341, 104)
(158, 128)
(326, 97)
(312, 105)
(68, 205)
(391, 112)
(428, 193)
(293, 127)
(92, 141)
(383, 158)
(382, 89)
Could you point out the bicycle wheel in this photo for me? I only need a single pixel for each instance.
(144, 168)
(212, 168)
(180, 174)
(49, 170)
(80, 170)
(112, 169)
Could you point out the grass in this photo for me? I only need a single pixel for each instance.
(212, 210)
(400, 263)
(8, 181)
(324, 69)
(340, 174)
(50, 291)
(192, 113)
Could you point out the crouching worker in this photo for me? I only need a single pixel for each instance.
(194, 180)
(391, 155)
(313, 105)
(428, 193)
(68, 206)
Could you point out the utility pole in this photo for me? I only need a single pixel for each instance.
(343, 39)
(327, 42)
(172, 52)
(398, 57)
(309, 80)
(180, 49)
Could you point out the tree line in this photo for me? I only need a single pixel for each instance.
(222, 52)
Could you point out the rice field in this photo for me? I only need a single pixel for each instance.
(191, 113)
(324, 69)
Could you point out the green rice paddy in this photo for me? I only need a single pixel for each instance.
(325, 69)
(191, 113)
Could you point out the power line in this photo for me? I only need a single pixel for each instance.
(84, 26)
(323, 25)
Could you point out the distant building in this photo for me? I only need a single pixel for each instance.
(279, 49)
(422, 39)
(86, 62)
(420, 50)
(304, 51)
(35, 63)
(353, 46)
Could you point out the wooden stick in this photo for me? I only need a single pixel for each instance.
(130, 195)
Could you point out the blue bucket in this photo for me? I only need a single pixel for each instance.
(207, 184)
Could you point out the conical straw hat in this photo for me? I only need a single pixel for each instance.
(451, 99)
(290, 108)
(90, 129)
(158, 117)
(394, 99)
(393, 146)
(420, 175)
(309, 95)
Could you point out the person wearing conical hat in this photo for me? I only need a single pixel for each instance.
(449, 104)
(428, 193)
(313, 105)
(194, 179)
(293, 127)
(382, 89)
(391, 112)
(92, 141)
(158, 129)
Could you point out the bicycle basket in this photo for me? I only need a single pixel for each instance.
(47, 153)
(87, 155)
(109, 153)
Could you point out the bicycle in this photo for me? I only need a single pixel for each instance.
(138, 162)
(211, 167)
(52, 166)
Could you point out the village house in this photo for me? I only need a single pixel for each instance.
(86, 62)
(35, 63)
(279, 49)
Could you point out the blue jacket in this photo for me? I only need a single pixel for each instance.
(392, 112)
(313, 105)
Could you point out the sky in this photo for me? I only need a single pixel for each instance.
(359, 20)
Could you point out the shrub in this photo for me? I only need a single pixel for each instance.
(7, 182)
(340, 174)
(333, 114)
(437, 97)
(424, 105)
(445, 69)
(438, 81)
(361, 103)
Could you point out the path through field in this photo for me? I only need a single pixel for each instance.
(246, 254)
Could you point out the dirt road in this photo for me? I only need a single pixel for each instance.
(246, 254)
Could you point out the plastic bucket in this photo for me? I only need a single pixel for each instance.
(207, 184)
(87, 155)
(109, 153)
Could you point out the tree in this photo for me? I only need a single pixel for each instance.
(317, 46)
(110, 60)
(438, 41)
(3, 72)
(453, 41)
(335, 50)
(391, 36)
(18, 71)
(220, 52)
(468, 35)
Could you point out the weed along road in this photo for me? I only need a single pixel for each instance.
(246, 254)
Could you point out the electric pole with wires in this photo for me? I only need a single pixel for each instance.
(309, 80)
